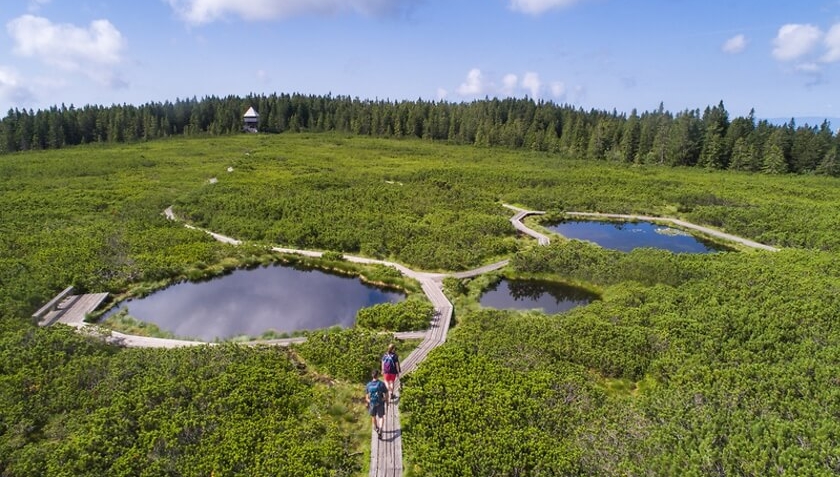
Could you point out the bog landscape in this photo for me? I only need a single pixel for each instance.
(720, 361)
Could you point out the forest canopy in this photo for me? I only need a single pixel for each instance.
(706, 138)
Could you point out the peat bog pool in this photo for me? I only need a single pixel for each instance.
(250, 302)
(626, 236)
(551, 297)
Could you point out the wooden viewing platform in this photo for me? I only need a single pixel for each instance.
(69, 309)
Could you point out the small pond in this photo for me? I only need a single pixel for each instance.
(551, 297)
(626, 236)
(250, 302)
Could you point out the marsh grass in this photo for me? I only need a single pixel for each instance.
(125, 323)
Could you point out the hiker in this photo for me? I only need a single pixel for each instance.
(390, 369)
(375, 397)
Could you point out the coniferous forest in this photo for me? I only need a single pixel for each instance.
(710, 364)
(707, 139)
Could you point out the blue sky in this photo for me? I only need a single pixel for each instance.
(778, 56)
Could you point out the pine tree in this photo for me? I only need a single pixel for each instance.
(830, 165)
(774, 156)
(685, 139)
(713, 154)
(630, 139)
(743, 156)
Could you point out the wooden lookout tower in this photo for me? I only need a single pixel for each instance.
(251, 120)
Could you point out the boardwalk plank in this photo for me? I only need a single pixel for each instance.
(74, 313)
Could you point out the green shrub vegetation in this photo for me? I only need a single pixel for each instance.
(723, 363)
(348, 354)
(408, 315)
(74, 407)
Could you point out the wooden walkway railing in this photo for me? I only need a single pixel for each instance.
(47, 313)
(68, 309)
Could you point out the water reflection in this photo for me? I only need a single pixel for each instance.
(626, 236)
(551, 297)
(250, 302)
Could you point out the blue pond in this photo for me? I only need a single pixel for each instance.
(551, 297)
(250, 302)
(626, 236)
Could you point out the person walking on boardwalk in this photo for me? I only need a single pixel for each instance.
(375, 397)
(391, 369)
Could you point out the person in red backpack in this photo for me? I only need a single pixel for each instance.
(375, 397)
(391, 369)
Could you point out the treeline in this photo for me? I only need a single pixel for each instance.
(707, 138)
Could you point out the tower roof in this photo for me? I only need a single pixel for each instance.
(251, 113)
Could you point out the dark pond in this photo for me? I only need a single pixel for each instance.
(250, 302)
(551, 297)
(626, 236)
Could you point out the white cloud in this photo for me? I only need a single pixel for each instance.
(441, 94)
(531, 82)
(93, 50)
(795, 41)
(558, 89)
(205, 11)
(736, 44)
(832, 44)
(509, 84)
(12, 88)
(64, 45)
(473, 85)
(537, 7)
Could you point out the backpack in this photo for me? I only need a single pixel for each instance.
(376, 391)
(389, 363)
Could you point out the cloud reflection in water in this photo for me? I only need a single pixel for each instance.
(250, 302)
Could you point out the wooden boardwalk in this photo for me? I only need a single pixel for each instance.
(386, 454)
(72, 309)
(386, 458)
(516, 221)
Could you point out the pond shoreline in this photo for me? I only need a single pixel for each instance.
(681, 223)
(431, 282)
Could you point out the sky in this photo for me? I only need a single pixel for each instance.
(780, 57)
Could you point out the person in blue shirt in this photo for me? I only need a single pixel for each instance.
(375, 391)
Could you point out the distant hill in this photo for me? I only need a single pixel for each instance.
(809, 120)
